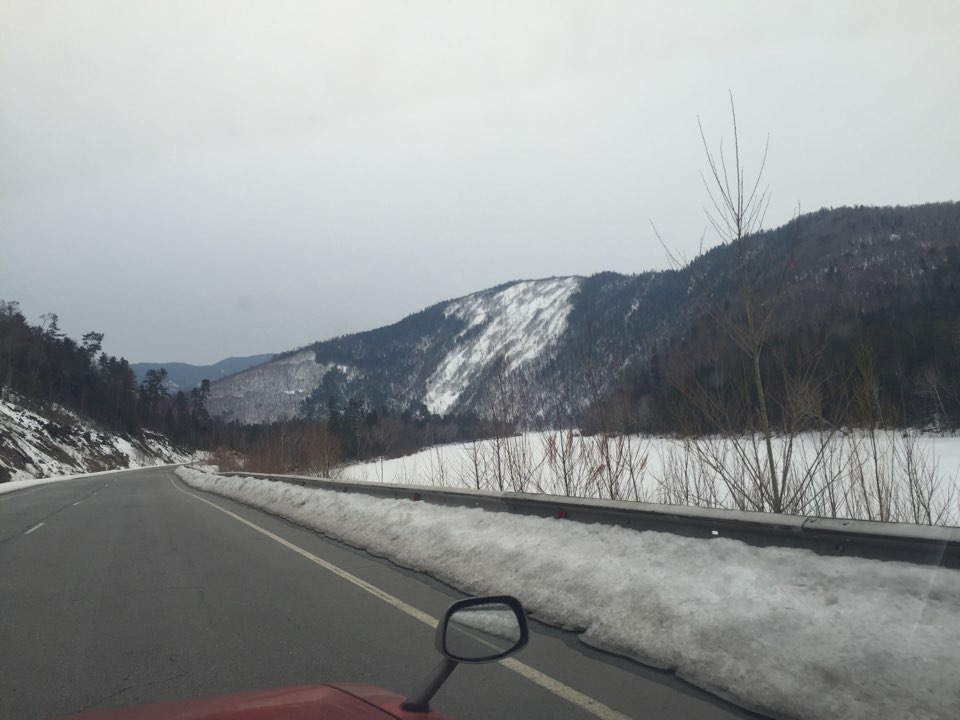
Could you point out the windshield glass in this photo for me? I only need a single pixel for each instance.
(316, 317)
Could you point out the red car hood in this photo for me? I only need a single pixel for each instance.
(302, 702)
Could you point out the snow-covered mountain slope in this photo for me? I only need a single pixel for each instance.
(517, 324)
(544, 350)
(61, 443)
(440, 357)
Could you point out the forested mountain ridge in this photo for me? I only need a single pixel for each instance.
(550, 349)
(184, 376)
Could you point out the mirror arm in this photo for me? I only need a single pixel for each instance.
(419, 700)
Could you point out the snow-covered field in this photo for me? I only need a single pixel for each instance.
(903, 476)
(785, 632)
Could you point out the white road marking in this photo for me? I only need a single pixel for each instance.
(585, 702)
(77, 502)
(38, 525)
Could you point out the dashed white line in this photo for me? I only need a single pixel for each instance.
(33, 528)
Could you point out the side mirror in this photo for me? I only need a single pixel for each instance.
(475, 630)
(483, 629)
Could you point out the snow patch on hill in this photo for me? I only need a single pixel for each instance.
(517, 323)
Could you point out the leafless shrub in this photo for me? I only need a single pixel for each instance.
(226, 459)
(523, 464)
(561, 449)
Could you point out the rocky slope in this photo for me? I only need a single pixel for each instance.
(37, 445)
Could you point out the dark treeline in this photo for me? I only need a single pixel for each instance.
(888, 372)
(346, 431)
(45, 369)
(878, 349)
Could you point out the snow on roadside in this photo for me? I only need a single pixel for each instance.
(783, 631)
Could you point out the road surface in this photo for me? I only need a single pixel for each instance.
(131, 587)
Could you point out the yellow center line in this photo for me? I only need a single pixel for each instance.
(585, 702)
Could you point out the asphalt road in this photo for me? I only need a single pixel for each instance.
(127, 588)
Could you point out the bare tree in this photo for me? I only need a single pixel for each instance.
(756, 458)
(739, 209)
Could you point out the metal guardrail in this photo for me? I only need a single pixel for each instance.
(922, 544)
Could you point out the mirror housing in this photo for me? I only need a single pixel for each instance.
(482, 629)
(474, 630)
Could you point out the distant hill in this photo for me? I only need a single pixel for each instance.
(183, 376)
(559, 345)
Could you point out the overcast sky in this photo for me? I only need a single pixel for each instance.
(205, 179)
